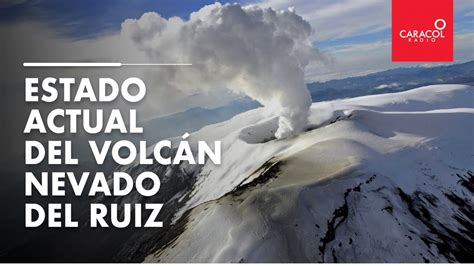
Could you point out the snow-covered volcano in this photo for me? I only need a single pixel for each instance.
(385, 178)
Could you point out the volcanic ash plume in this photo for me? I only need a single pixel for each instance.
(261, 53)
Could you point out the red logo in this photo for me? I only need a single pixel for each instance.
(422, 30)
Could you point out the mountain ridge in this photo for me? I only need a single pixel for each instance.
(379, 179)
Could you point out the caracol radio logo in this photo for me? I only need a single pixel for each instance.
(422, 31)
(430, 35)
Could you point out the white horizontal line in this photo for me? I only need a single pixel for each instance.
(97, 64)
(70, 64)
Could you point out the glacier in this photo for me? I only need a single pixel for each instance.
(382, 178)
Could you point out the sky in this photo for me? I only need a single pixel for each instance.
(341, 28)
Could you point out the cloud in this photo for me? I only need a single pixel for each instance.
(261, 53)
(387, 86)
(366, 58)
(339, 19)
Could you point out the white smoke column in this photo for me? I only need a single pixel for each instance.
(261, 53)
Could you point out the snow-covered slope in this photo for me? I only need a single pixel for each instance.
(376, 178)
